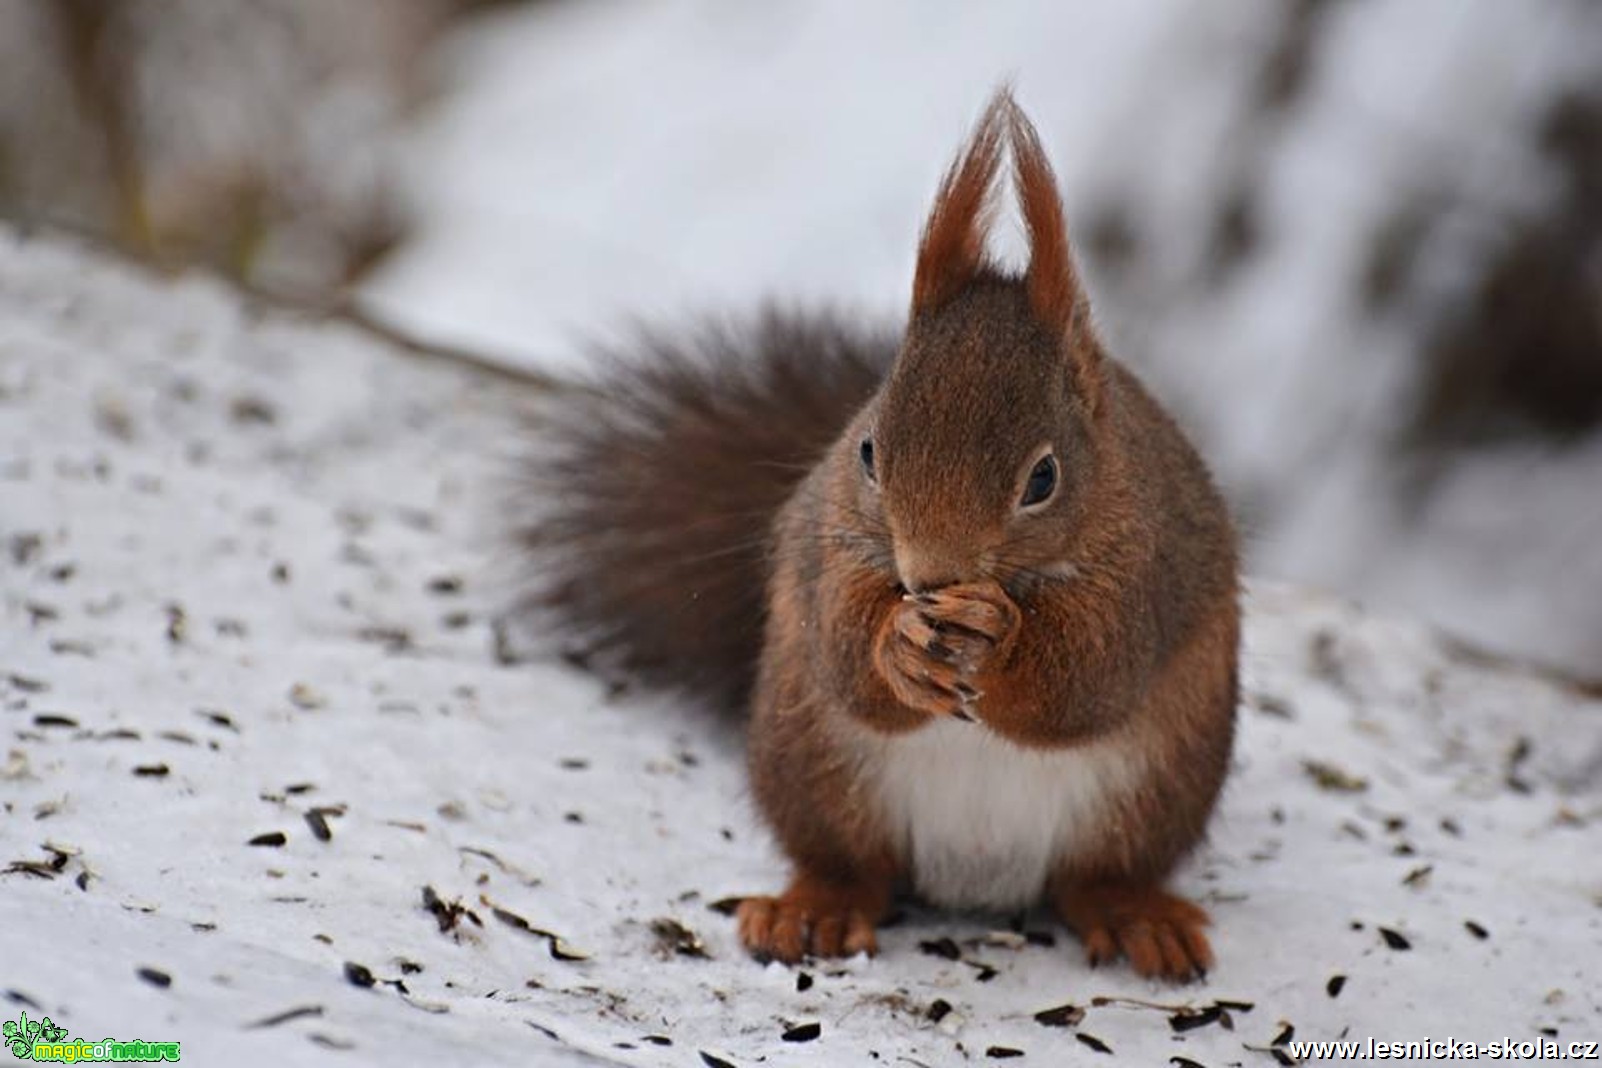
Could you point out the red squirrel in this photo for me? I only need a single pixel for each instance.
(974, 589)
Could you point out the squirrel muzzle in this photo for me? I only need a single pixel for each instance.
(923, 568)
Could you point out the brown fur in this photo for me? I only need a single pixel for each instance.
(644, 512)
(1052, 280)
(923, 589)
(952, 251)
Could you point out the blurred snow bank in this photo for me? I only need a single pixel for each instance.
(1279, 205)
(256, 136)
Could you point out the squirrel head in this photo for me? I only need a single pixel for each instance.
(979, 449)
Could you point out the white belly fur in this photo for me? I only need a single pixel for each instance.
(982, 821)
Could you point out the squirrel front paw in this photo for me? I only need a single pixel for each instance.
(935, 649)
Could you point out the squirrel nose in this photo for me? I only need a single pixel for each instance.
(923, 568)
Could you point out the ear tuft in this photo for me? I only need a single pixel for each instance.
(952, 250)
(1052, 280)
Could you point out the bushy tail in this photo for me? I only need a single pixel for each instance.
(644, 508)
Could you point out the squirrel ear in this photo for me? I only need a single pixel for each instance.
(952, 250)
(1052, 280)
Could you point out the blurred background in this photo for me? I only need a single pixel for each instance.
(1356, 245)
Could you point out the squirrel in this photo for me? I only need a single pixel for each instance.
(975, 591)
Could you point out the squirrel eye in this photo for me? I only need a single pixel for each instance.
(1042, 481)
(867, 458)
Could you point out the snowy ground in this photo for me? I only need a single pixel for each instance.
(243, 579)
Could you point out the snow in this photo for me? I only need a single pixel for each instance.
(601, 161)
(252, 551)
(597, 163)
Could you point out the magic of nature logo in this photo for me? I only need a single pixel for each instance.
(41, 1040)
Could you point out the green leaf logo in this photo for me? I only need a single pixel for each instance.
(17, 1034)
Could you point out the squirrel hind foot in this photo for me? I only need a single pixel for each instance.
(810, 920)
(1158, 932)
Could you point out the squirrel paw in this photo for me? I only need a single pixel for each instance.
(976, 618)
(807, 920)
(935, 648)
(1159, 932)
